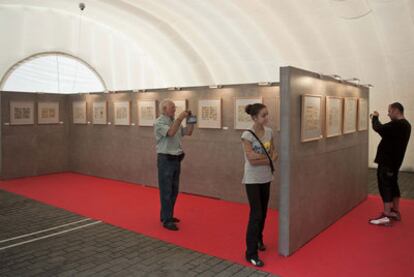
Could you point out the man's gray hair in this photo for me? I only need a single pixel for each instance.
(164, 103)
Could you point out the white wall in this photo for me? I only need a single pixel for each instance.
(156, 43)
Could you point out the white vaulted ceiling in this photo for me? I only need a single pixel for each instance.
(137, 44)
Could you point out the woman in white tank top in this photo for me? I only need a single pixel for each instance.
(257, 178)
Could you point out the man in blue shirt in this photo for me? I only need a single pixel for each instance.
(168, 134)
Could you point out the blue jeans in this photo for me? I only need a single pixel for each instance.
(168, 181)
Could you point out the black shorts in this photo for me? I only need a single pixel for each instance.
(387, 183)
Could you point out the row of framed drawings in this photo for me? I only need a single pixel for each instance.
(22, 113)
(343, 115)
(209, 112)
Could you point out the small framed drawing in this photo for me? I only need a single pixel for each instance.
(48, 112)
(79, 112)
(242, 120)
(311, 118)
(180, 106)
(362, 114)
(122, 113)
(147, 112)
(21, 113)
(100, 112)
(333, 116)
(350, 114)
(209, 113)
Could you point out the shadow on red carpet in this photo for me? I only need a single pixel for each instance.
(350, 247)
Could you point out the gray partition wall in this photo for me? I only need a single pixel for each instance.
(213, 166)
(30, 150)
(214, 159)
(320, 180)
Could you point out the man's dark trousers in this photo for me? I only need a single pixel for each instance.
(168, 181)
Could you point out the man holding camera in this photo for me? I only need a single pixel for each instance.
(390, 155)
(168, 135)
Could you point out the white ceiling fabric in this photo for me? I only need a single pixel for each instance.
(137, 44)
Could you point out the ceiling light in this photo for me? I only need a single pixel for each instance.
(353, 80)
(215, 86)
(336, 76)
(263, 84)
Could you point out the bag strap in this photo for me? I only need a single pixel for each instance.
(272, 168)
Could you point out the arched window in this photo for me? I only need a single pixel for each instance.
(53, 73)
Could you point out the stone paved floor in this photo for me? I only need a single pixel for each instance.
(95, 250)
(101, 249)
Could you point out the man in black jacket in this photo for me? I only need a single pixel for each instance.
(390, 155)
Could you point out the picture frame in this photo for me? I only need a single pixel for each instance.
(79, 114)
(147, 112)
(363, 114)
(311, 117)
(100, 112)
(243, 121)
(350, 115)
(210, 113)
(48, 112)
(21, 113)
(334, 116)
(122, 113)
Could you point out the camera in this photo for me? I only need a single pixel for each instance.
(191, 119)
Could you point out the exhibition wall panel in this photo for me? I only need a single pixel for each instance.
(324, 178)
(214, 158)
(32, 149)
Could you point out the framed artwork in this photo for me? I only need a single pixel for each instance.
(100, 112)
(21, 113)
(79, 112)
(48, 112)
(311, 118)
(242, 120)
(209, 113)
(180, 106)
(147, 112)
(350, 114)
(333, 116)
(362, 114)
(122, 113)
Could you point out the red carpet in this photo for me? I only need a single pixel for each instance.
(350, 247)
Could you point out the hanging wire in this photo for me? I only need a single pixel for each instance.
(75, 79)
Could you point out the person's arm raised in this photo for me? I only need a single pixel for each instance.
(175, 127)
(381, 129)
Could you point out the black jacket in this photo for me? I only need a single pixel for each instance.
(395, 136)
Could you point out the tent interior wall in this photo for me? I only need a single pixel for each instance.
(135, 45)
(153, 44)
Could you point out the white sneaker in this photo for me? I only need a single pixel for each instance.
(382, 220)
